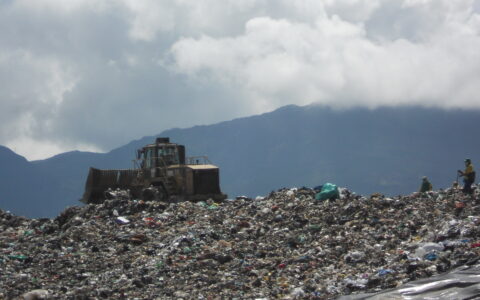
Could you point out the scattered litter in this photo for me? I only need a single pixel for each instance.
(286, 245)
(122, 220)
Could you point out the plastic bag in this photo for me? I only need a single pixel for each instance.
(329, 191)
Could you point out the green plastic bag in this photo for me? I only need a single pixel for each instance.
(329, 191)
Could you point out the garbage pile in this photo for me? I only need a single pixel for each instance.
(287, 245)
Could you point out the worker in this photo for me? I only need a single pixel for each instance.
(468, 176)
(426, 185)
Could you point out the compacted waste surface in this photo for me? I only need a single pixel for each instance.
(286, 245)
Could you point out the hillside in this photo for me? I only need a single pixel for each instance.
(385, 150)
(287, 245)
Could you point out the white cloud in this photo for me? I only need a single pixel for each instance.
(150, 17)
(34, 149)
(354, 11)
(62, 7)
(335, 62)
(32, 89)
(98, 73)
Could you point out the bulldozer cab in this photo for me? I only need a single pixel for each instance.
(160, 155)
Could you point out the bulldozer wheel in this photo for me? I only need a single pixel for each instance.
(161, 194)
(157, 193)
(148, 194)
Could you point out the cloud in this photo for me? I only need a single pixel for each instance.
(96, 74)
(32, 89)
(353, 11)
(150, 17)
(36, 149)
(342, 63)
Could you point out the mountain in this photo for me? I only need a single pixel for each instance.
(385, 150)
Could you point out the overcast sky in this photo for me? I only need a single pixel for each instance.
(96, 74)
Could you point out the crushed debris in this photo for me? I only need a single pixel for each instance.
(287, 245)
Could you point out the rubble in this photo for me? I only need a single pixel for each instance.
(286, 245)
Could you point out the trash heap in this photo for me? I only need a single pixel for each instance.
(287, 245)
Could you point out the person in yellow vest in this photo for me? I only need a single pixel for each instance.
(426, 185)
(468, 176)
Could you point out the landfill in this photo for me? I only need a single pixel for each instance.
(286, 245)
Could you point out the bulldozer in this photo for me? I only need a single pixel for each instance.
(161, 172)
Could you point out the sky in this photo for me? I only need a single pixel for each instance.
(92, 75)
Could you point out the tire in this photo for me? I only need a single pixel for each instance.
(161, 194)
(155, 193)
(148, 194)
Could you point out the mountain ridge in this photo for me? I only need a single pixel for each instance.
(384, 150)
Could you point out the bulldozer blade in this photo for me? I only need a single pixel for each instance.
(98, 181)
